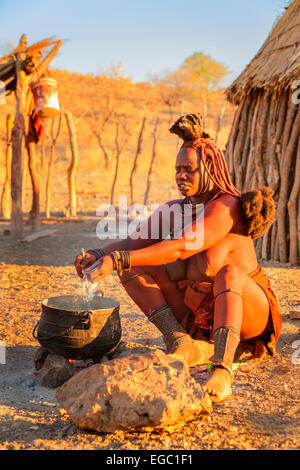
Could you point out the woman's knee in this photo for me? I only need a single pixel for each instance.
(154, 272)
(229, 275)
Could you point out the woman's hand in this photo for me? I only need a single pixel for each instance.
(102, 269)
(82, 264)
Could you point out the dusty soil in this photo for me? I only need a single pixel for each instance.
(262, 413)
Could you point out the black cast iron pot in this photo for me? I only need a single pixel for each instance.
(75, 332)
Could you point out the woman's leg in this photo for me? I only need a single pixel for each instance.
(241, 312)
(150, 288)
(162, 302)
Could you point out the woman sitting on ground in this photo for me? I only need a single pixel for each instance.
(213, 295)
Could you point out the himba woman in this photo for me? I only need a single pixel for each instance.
(209, 300)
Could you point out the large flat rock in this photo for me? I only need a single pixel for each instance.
(141, 391)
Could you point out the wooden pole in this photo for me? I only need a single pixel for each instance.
(232, 140)
(73, 164)
(246, 149)
(6, 193)
(48, 181)
(102, 147)
(292, 210)
(288, 151)
(148, 185)
(17, 145)
(117, 164)
(219, 123)
(273, 147)
(50, 165)
(135, 162)
(35, 174)
(239, 144)
(261, 138)
(43, 143)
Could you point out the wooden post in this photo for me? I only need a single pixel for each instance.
(292, 210)
(204, 109)
(117, 164)
(138, 152)
(146, 197)
(17, 145)
(289, 151)
(219, 123)
(48, 181)
(122, 135)
(50, 165)
(43, 144)
(102, 147)
(35, 174)
(6, 193)
(21, 128)
(73, 164)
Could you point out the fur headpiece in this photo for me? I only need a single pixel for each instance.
(259, 209)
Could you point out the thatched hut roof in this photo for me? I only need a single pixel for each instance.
(277, 63)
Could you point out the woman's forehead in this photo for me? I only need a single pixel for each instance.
(187, 155)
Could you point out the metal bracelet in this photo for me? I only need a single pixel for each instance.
(97, 252)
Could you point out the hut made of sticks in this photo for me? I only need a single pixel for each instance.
(264, 144)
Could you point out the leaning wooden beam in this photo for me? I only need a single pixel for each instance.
(42, 67)
(36, 235)
(21, 47)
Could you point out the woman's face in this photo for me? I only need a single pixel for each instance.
(191, 177)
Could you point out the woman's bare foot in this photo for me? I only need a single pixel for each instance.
(192, 353)
(218, 384)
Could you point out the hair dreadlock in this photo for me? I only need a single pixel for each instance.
(258, 205)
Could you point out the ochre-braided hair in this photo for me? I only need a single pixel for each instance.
(258, 205)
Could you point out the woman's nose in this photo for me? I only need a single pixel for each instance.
(182, 175)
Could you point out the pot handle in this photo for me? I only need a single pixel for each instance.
(81, 316)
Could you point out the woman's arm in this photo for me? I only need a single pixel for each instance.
(217, 221)
(153, 230)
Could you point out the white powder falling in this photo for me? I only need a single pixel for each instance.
(89, 289)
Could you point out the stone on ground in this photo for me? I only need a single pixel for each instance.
(141, 391)
(56, 371)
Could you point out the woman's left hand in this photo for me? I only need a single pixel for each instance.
(101, 269)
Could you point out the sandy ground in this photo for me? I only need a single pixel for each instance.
(262, 413)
